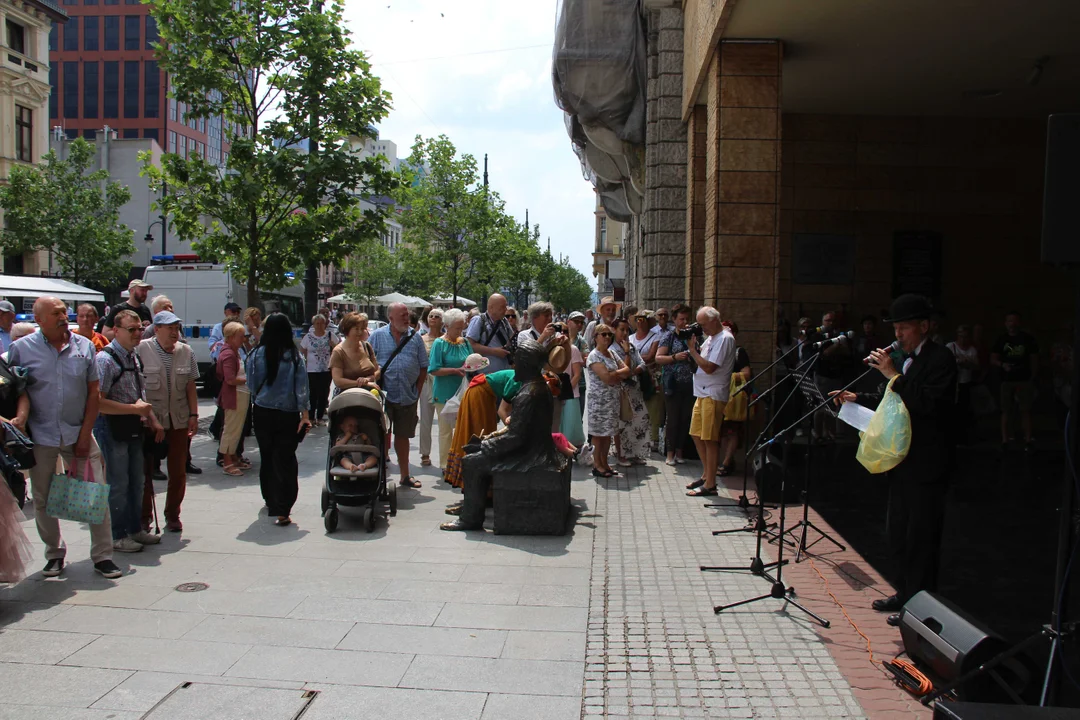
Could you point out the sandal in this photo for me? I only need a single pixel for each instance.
(244, 464)
(696, 484)
(283, 521)
(723, 471)
(602, 473)
(703, 492)
(410, 482)
(233, 470)
(425, 461)
(623, 463)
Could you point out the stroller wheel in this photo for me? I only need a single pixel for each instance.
(330, 520)
(392, 497)
(369, 518)
(325, 501)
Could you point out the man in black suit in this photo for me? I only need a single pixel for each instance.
(926, 382)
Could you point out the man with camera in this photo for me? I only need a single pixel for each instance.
(712, 385)
(119, 431)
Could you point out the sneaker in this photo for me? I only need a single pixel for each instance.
(108, 569)
(145, 538)
(679, 460)
(53, 568)
(126, 545)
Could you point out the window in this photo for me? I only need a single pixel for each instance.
(201, 149)
(71, 2)
(131, 133)
(191, 146)
(202, 125)
(16, 37)
(112, 32)
(172, 109)
(151, 90)
(71, 90)
(53, 112)
(131, 88)
(112, 2)
(90, 90)
(151, 32)
(150, 133)
(54, 33)
(24, 134)
(131, 32)
(112, 89)
(172, 141)
(71, 134)
(603, 235)
(71, 34)
(89, 134)
(90, 32)
(183, 147)
(89, 2)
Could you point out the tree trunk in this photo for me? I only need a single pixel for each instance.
(254, 296)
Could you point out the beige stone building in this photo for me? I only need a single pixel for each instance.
(835, 154)
(608, 265)
(24, 88)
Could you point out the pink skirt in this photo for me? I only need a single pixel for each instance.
(15, 549)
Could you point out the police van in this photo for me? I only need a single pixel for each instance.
(199, 291)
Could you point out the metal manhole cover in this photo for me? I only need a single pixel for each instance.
(199, 701)
(191, 587)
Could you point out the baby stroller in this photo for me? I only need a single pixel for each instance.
(365, 487)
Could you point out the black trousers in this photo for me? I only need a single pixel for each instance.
(476, 473)
(275, 431)
(916, 519)
(319, 390)
(679, 409)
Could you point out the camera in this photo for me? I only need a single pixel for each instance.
(693, 329)
(559, 327)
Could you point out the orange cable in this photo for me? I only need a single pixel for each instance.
(840, 605)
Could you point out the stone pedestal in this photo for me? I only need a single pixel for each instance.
(533, 503)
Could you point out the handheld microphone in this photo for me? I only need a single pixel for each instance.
(892, 348)
(842, 337)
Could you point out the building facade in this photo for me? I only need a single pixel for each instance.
(809, 157)
(24, 98)
(608, 253)
(104, 72)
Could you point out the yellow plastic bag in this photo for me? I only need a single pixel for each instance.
(887, 439)
(737, 404)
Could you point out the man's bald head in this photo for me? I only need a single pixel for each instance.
(399, 317)
(50, 313)
(496, 307)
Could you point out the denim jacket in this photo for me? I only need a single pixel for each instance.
(288, 392)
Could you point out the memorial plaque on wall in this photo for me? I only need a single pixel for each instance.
(822, 259)
(917, 264)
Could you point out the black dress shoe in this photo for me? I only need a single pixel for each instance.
(893, 620)
(158, 475)
(192, 470)
(889, 604)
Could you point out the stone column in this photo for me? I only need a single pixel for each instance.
(661, 265)
(696, 133)
(742, 192)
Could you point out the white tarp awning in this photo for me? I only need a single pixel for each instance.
(447, 300)
(388, 299)
(24, 286)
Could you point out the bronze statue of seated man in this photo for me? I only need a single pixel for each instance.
(524, 445)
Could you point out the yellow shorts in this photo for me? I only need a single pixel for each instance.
(707, 418)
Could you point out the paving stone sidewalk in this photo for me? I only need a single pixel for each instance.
(613, 619)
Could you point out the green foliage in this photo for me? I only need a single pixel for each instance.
(62, 207)
(373, 274)
(279, 72)
(563, 285)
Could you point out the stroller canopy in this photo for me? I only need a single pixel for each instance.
(359, 399)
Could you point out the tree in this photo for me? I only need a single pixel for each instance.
(448, 219)
(564, 286)
(63, 208)
(281, 75)
(371, 274)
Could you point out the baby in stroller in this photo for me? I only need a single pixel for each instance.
(354, 461)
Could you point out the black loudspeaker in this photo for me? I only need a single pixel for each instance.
(981, 711)
(1061, 192)
(768, 469)
(950, 643)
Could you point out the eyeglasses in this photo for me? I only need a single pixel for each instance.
(132, 329)
(607, 335)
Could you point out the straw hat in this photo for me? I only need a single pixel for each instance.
(606, 301)
(475, 362)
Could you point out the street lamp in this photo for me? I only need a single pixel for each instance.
(149, 238)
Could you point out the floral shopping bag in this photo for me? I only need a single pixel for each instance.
(80, 500)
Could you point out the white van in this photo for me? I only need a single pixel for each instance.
(199, 291)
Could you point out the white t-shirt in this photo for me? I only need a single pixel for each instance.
(575, 357)
(963, 374)
(643, 346)
(718, 349)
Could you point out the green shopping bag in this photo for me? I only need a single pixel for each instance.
(80, 500)
(887, 439)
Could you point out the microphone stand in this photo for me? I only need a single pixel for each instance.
(744, 502)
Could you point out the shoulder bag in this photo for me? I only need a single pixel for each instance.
(125, 428)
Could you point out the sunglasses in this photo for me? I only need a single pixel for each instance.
(512, 317)
(607, 335)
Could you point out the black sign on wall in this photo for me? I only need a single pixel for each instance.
(917, 264)
(822, 259)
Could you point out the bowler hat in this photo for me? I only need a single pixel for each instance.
(909, 307)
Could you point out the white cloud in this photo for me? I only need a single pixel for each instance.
(432, 55)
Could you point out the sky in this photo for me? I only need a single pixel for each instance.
(479, 71)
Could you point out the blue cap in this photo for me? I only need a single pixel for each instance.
(166, 318)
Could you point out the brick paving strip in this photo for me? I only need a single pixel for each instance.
(656, 649)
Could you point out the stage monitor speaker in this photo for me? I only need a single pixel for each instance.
(984, 711)
(1061, 191)
(950, 643)
(769, 475)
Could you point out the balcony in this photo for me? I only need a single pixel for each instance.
(26, 65)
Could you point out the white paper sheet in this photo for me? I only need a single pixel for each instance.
(856, 415)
